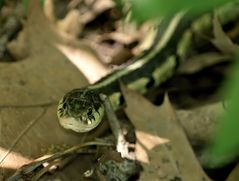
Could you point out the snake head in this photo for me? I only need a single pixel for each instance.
(80, 110)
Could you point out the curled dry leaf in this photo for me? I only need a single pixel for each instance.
(221, 40)
(97, 8)
(71, 24)
(201, 61)
(162, 141)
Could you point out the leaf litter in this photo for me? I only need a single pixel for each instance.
(162, 145)
(161, 141)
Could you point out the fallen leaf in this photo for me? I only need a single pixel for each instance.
(161, 139)
(86, 60)
(200, 123)
(30, 90)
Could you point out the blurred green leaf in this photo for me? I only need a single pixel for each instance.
(227, 138)
(1, 3)
(147, 9)
(25, 4)
(42, 2)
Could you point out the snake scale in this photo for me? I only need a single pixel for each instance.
(81, 110)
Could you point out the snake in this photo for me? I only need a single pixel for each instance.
(82, 109)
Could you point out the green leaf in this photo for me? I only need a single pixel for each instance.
(148, 9)
(25, 4)
(226, 141)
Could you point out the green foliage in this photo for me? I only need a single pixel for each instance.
(25, 4)
(147, 9)
(226, 141)
(42, 2)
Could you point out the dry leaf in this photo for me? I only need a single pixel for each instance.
(86, 60)
(98, 7)
(201, 61)
(221, 40)
(30, 90)
(200, 123)
(71, 24)
(234, 175)
(162, 141)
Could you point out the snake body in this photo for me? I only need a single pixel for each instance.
(81, 110)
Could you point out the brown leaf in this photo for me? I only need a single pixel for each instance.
(200, 122)
(30, 90)
(201, 61)
(234, 175)
(161, 141)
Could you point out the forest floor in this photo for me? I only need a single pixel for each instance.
(52, 49)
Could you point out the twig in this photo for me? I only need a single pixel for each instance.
(32, 166)
(39, 174)
(122, 145)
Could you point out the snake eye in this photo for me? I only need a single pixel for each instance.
(89, 112)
